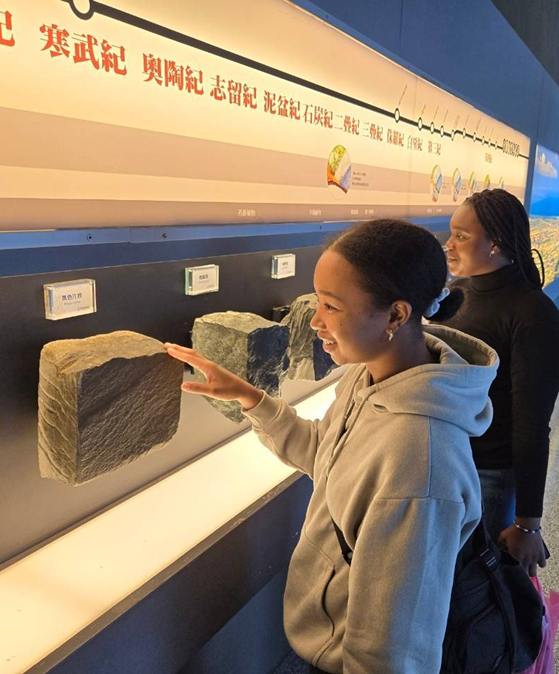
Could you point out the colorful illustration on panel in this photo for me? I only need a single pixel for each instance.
(456, 184)
(472, 183)
(338, 172)
(487, 182)
(436, 182)
(544, 215)
(501, 183)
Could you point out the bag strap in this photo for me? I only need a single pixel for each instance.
(479, 532)
(347, 552)
(489, 560)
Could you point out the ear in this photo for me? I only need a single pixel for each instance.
(400, 313)
(494, 250)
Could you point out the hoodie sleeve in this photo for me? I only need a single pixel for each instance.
(400, 584)
(292, 439)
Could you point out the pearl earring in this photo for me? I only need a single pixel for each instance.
(390, 335)
(492, 252)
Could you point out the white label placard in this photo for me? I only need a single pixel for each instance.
(69, 298)
(283, 266)
(200, 280)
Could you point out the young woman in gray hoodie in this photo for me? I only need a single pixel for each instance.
(391, 460)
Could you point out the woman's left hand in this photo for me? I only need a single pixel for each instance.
(528, 549)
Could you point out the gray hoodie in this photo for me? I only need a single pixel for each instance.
(401, 484)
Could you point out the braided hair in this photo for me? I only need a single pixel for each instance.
(505, 222)
(395, 260)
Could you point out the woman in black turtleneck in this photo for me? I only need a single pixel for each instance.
(501, 302)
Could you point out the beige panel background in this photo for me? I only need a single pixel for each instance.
(81, 134)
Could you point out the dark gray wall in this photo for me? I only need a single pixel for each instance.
(263, 645)
(537, 24)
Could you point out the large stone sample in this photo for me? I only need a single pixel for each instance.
(247, 345)
(104, 401)
(307, 359)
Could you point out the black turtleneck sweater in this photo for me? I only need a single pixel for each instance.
(522, 324)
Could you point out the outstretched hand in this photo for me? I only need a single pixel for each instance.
(220, 383)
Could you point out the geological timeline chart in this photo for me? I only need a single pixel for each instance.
(138, 113)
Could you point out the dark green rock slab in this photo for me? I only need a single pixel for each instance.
(307, 359)
(247, 345)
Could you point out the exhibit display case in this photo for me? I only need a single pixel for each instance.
(148, 299)
(63, 493)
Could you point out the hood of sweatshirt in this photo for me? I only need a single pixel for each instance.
(454, 389)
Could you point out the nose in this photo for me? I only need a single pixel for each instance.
(316, 321)
(449, 245)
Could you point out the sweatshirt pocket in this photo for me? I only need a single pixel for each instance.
(320, 599)
(307, 624)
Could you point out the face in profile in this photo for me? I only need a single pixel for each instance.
(351, 329)
(468, 248)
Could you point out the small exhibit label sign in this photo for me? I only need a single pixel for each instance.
(283, 266)
(200, 280)
(69, 299)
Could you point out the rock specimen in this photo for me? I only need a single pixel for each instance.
(307, 358)
(104, 401)
(247, 345)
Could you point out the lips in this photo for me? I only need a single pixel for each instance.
(327, 344)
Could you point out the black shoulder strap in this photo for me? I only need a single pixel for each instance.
(347, 552)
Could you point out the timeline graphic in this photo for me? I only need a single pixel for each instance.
(185, 121)
(85, 9)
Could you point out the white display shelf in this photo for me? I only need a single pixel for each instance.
(55, 592)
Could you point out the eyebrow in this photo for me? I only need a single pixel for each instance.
(326, 292)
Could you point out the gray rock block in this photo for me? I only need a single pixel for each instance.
(307, 359)
(104, 401)
(247, 345)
